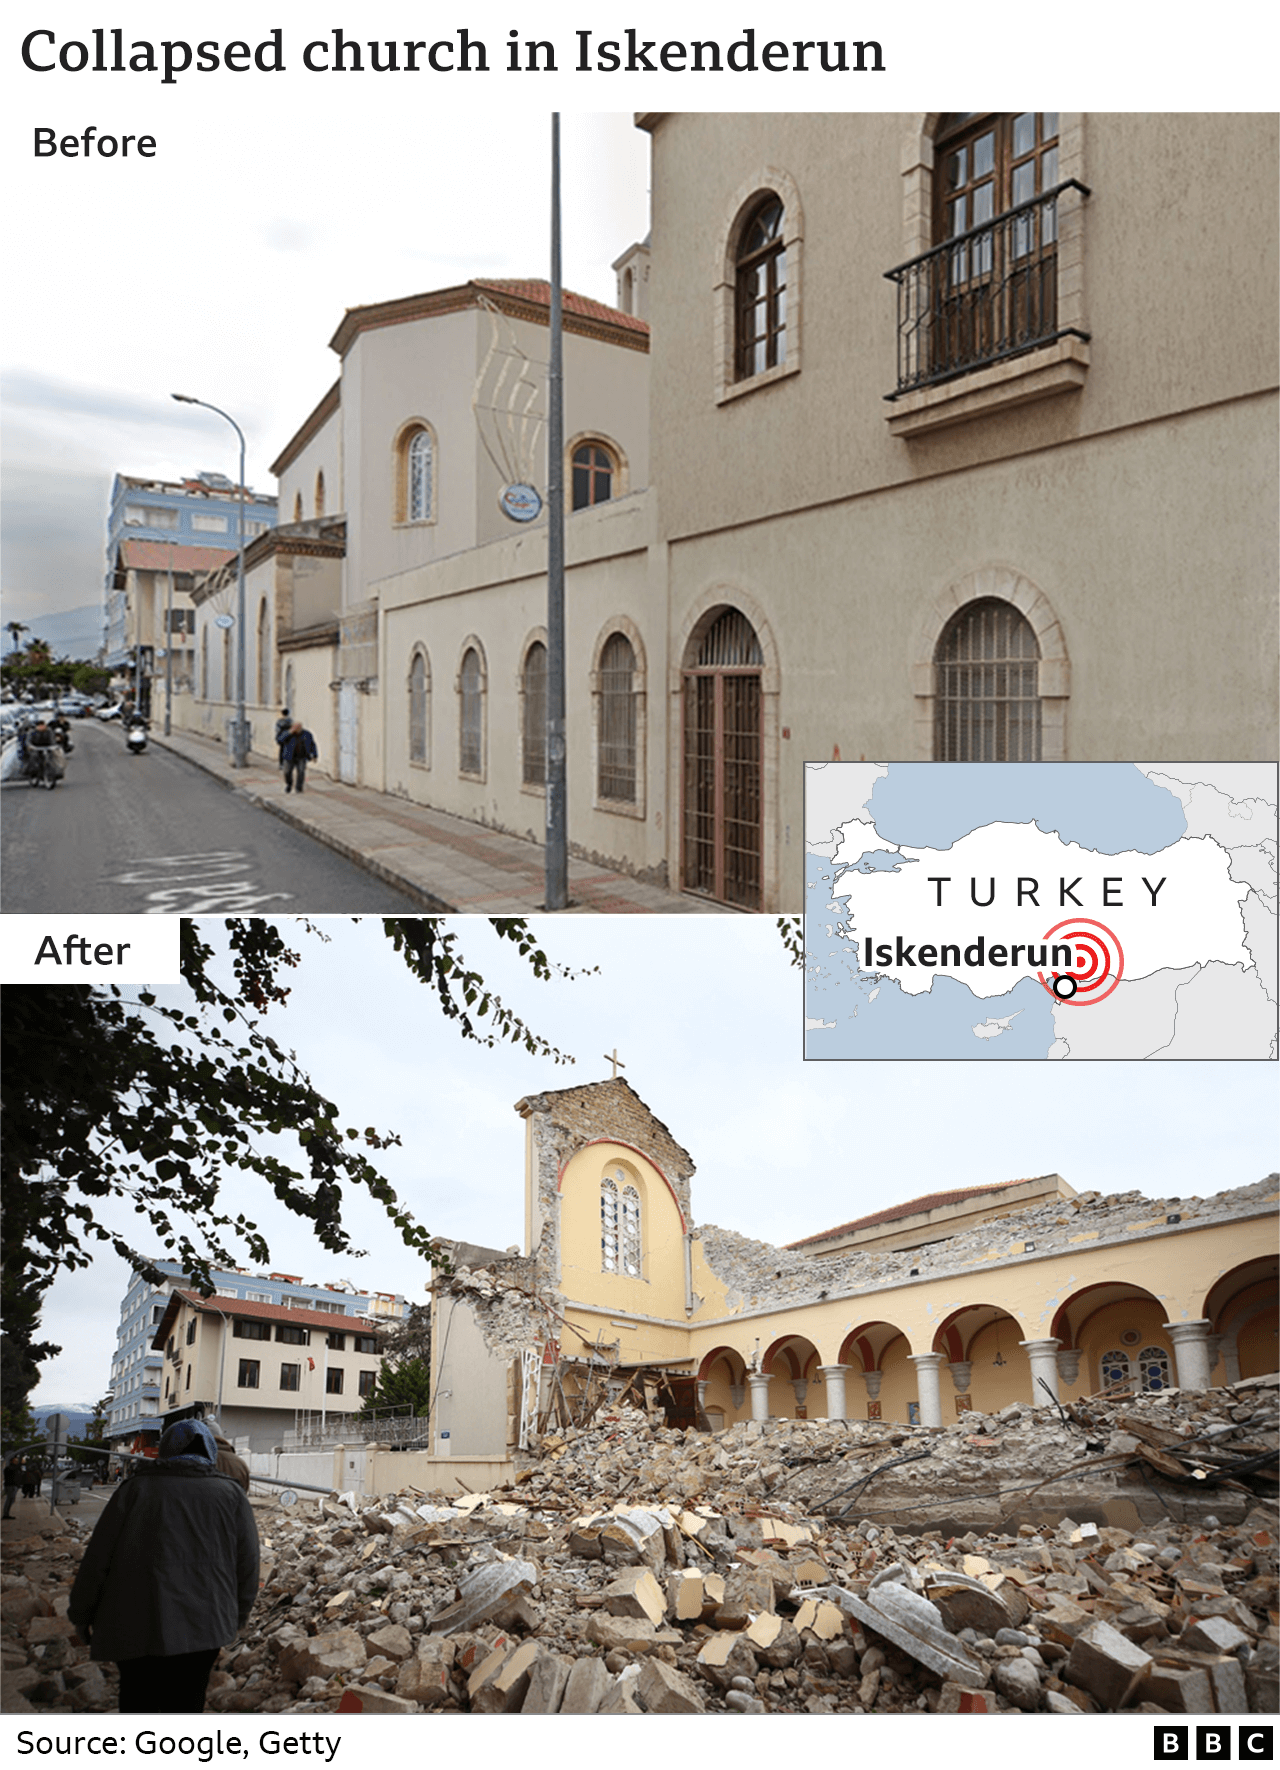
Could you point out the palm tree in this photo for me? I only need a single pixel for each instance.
(16, 628)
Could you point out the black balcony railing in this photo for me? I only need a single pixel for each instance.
(982, 296)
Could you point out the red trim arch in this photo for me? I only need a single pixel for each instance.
(620, 1143)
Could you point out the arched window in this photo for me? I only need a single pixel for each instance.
(594, 469)
(760, 307)
(264, 655)
(1153, 1368)
(533, 723)
(616, 742)
(419, 706)
(471, 713)
(621, 1233)
(420, 477)
(1116, 1371)
(987, 686)
(722, 762)
(297, 506)
(320, 492)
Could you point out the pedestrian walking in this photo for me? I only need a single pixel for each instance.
(298, 748)
(12, 1482)
(169, 1576)
(283, 724)
(229, 1463)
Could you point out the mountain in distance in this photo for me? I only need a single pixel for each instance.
(72, 633)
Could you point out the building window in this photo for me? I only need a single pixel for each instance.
(1115, 1369)
(250, 1330)
(290, 1376)
(415, 474)
(533, 721)
(616, 743)
(760, 331)
(593, 473)
(264, 655)
(1153, 1368)
(368, 1382)
(187, 1384)
(248, 1378)
(620, 1234)
(290, 1335)
(333, 1382)
(337, 1342)
(297, 506)
(471, 713)
(987, 686)
(209, 525)
(419, 708)
(191, 1331)
(320, 492)
(364, 1343)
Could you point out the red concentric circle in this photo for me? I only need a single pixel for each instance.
(1098, 968)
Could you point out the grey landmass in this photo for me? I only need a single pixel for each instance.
(1136, 1020)
(1223, 1012)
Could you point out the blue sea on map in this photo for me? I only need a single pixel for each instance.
(938, 1023)
(1108, 809)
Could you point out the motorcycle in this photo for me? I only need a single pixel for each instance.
(135, 739)
(43, 766)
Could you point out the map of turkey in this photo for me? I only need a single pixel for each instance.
(1040, 910)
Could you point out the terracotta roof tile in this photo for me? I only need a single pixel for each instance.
(537, 289)
(912, 1207)
(152, 556)
(315, 1318)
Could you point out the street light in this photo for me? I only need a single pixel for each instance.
(240, 728)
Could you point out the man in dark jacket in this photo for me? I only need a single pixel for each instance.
(228, 1461)
(298, 748)
(170, 1575)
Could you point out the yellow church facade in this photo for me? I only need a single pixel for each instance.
(969, 1298)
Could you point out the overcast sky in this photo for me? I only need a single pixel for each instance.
(222, 266)
(705, 1012)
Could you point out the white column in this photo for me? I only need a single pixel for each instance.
(703, 1386)
(1044, 1363)
(1231, 1359)
(759, 1394)
(833, 1376)
(928, 1364)
(1191, 1349)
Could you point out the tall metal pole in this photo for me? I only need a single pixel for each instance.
(240, 727)
(168, 652)
(557, 856)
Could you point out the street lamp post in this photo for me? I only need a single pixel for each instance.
(240, 728)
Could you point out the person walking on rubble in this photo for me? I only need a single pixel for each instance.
(169, 1576)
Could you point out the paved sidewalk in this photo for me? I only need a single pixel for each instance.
(446, 862)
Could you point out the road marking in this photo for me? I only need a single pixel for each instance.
(196, 884)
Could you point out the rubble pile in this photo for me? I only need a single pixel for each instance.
(785, 1566)
(759, 1275)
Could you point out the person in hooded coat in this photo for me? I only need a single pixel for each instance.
(169, 1576)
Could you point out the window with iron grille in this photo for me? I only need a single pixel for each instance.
(471, 714)
(616, 746)
(986, 687)
(621, 1241)
(593, 471)
(533, 696)
(290, 1376)
(419, 703)
(760, 307)
(1153, 1368)
(1115, 1369)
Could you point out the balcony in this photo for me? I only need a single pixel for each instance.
(982, 321)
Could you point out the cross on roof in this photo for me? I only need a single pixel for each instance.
(615, 1060)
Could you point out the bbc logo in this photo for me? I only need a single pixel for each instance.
(1213, 1743)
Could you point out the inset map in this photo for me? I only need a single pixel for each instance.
(1040, 910)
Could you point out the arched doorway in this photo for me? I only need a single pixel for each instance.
(722, 753)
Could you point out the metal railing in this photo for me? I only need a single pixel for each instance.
(982, 296)
(383, 1426)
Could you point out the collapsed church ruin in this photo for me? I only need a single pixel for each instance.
(968, 1298)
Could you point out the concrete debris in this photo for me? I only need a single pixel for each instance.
(640, 1569)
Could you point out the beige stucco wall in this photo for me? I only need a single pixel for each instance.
(659, 1291)
(322, 453)
(497, 596)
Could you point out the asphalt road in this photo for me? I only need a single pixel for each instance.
(153, 835)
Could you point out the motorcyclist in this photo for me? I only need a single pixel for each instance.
(61, 729)
(40, 745)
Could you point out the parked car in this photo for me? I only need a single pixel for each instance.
(109, 713)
